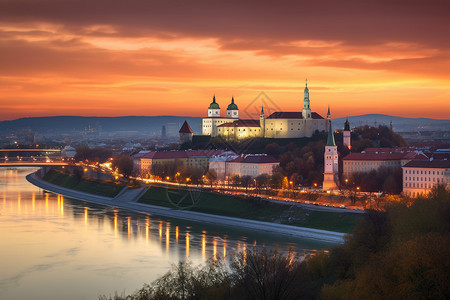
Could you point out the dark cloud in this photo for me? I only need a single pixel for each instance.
(353, 22)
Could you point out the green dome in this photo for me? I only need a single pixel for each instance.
(213, 104)
(232, 106)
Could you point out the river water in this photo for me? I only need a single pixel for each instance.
(52, 247)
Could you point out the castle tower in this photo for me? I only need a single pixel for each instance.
(262, 122)
(214, 109)
(306, 112)
(232, 110)
(330, 175)
(186, 133)
(347, 135)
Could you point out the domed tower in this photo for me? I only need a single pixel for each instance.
(306, 112)
(330, 174)
(347, 134)
(232, 110)
(214, 109)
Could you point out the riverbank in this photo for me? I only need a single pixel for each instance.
(250, 207)
(123, 202)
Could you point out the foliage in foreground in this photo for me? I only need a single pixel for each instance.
(398, 254)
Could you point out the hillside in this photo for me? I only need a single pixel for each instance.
(70, 124)
(399, 124)
(146, 124)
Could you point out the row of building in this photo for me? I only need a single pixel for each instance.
(226, 164)
(413, 160)
(423, 166)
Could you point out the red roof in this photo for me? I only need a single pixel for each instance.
(384, 156)
(255, 159)
(292, 115)
(259, 159)
(181, 154)
(386, 150)
(445, 164)
(185, 128)
(242, 123)
(441, 156)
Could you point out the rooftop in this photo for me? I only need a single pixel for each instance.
(242, 123)
(385, 156)
(292, 115)
(436, 164)
(256, 159)
(186, 128)
(181, 154)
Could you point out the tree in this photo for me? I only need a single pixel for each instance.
(168, 169)
(276, 180)
(98, 154)
(262, 180)
(124, 164)
(211, 175)
(236, 180)
(273, 149)
(192, 174)
(246, 180)
(259, 274)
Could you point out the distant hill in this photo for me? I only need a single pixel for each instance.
(146, 125)
(68, 124)
(399, 124)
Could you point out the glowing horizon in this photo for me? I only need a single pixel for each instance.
(97, 58)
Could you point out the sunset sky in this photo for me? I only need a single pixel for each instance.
(144, 57)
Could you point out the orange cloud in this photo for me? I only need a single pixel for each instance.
(103, 58)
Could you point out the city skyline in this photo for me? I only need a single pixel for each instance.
(103, 58)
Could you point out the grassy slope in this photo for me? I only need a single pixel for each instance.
(249, 208)
(96, 187)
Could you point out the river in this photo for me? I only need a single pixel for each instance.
(54, 247)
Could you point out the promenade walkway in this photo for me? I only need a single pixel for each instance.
(127, 200)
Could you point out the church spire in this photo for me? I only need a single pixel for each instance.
(328, 113)
(262, 110)
(330, 141)
(306, 111)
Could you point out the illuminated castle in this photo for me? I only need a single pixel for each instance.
(280, 125)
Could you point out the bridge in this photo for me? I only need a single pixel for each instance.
(31, 157)
(32, 164)
(29, 152)
(49, 151)
(32, 161)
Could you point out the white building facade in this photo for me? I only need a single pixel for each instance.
(251, 165)
(278, 125)
(419, 177)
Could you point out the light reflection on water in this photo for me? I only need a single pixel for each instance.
(58, 248)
